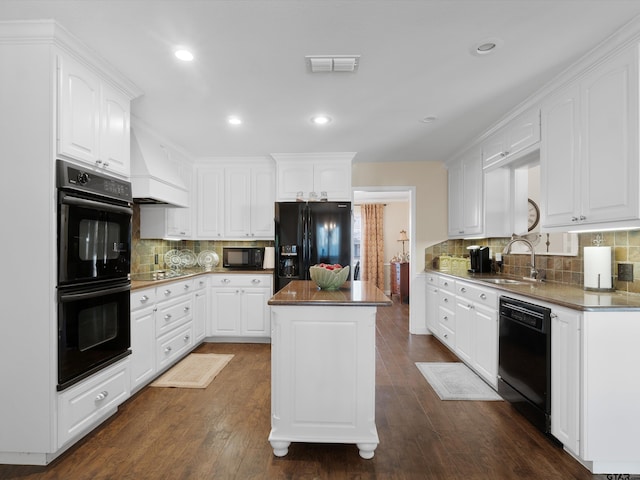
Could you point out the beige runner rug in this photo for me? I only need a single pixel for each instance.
(197, 370)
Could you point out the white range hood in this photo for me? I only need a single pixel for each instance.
(155, 175)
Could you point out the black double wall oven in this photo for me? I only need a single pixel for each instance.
(94, 264)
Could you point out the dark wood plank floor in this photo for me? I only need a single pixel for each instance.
(221, 432)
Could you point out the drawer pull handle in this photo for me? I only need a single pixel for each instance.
(463, 290)
(167, 292)
(446, 335)
(167, 317)
(225, 280)
(255, 281)
(143, 299)
(102, 395)
(168, 350)
(483, 296)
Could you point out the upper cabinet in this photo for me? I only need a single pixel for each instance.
(514, 139)
(235, 201)
(306, 173)
(93, 118)
(589, 150)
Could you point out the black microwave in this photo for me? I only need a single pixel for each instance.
(243, 257)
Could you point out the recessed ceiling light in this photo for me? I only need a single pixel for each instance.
(233, 120)
(184, 55)
(429, 119)
(486, 46)
(320, 119)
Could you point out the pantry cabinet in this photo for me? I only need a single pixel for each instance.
(590, 167)
(239, 306)
(93, 119)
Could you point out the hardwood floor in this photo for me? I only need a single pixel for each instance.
(221, 432)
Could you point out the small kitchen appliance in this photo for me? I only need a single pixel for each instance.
(479, 258)
(243, 258)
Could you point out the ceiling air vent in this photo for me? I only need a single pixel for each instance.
(332, 63)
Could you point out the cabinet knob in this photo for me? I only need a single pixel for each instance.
(167, 292)
(98, 162)
(102, 395)
(105, 164)
(470, 306)
(186, 309)
(446, 335)
(574, 219)
(446, 300)
(255, 281)
(167, 317)
(445, 318)
(582, 217)
(143, 298)
(483, 296)
(186, 338)
(225, 280)
(187, 286)
(446, 284)
(168, 349)
(463, 290)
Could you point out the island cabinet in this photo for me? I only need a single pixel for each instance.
(323, 358)
(589, 162)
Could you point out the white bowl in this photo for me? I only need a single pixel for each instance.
(329, 279)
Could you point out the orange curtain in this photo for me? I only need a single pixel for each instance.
(373, 244)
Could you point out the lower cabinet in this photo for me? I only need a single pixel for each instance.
(83, 406)
(432, 303)
(239, 305)
(200, 309)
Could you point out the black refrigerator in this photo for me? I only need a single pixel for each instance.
(308, 233)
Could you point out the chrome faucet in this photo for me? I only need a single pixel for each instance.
(515, 238)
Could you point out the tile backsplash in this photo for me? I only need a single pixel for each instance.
(146, 252)
(625, 246)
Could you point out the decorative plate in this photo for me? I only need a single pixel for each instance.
(187, 258)
(208, 259)
(172, 258)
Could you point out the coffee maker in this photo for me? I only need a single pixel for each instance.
(479, 259)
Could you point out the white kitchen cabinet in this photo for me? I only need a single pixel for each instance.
(446, 330)
(249, 202)
(209, 202)
(465, 195)
(565, 377)
(93, 119)
(306, 173)
(512, 140)
(200, 309)
(589, 130)
(464, 328)
(143, 364)
(239, 306)
(85, 405)
(432, 299)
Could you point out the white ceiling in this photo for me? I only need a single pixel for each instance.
(250, 61)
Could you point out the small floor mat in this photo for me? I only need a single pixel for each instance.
(197, 370)
(456, 381)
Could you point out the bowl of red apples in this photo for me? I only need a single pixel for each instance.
(329, 276)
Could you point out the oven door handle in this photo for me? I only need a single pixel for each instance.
(72, 297)
(67, 199)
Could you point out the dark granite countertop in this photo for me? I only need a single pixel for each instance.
(352, 294)
(569, 296)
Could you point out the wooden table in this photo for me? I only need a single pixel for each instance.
(323, 365)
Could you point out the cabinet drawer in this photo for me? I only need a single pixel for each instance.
(481, 296)
(174, 289)
(447, 336)
(172, 314)
(447, 318)
(241, 281)
(200, 282)
(446, 299)
(171, 346)
(143, 298)
(433, 280)
(446, 283)
(83, 406)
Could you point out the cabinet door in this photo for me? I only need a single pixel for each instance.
(143, 342)
(559, 159)
(333, 178)
(199, 315)
(263, 196)
(114, 132)
(432, 305)
(226, 311)
(255, 312)
(472, 194)
(464, 329)
(565, 378)
(523, 132)
(485, 360)
(237, 202)
(78, 111)
(294, 177)
(210, 203)
(455, 200)
(610, 141)
(494, 148)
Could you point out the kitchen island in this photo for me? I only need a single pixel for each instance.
(323, 365)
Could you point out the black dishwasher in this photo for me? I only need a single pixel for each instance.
(524, 360)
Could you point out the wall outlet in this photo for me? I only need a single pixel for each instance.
(625, 272)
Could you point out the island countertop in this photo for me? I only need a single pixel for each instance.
(306, 292)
